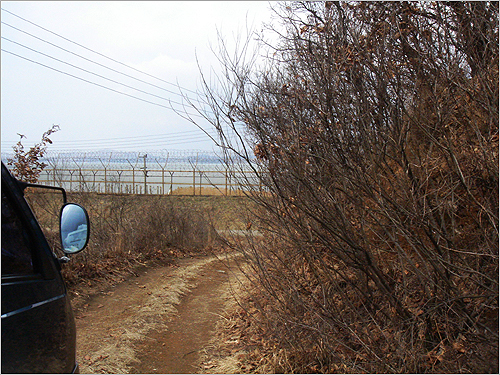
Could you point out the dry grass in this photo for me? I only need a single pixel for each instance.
(228, 352)
(203, 191)
(131, 230)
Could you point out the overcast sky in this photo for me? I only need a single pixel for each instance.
(160, 38)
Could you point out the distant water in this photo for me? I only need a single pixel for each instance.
(173, 160)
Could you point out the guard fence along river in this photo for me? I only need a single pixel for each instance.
(164, 173)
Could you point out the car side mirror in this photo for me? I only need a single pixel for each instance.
(74, 228)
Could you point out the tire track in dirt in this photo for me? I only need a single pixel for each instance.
(157, 322)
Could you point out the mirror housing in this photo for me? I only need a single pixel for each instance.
(74, 228)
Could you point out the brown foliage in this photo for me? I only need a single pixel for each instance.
(26, 165)
(376, 131)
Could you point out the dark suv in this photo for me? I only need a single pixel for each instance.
(38, 327)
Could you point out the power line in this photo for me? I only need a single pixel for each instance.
(137, 137)
(87, 71)
(128, 143)
(91, 50)
(158, 137)
(193, 137)
(99, 64)
(186, 136)
(148, 145)
(108, 88)
(99, 85)
(103, 77)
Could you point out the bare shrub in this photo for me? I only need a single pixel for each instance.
(126, 230)
(26, 165)
(163, 223)
(375, 127)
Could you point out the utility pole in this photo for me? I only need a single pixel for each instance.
(145, 172)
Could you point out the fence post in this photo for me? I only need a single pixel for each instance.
(80, 179)
(145, 173)
(133, 180)
(105, 180)
(194, 181)
(171, 183)
(119, 190)
(162, 181)
(70, 180)
(226, 183)
(201, 173)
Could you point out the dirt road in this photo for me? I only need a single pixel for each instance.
(156, 322)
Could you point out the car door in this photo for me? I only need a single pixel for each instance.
(38, 328)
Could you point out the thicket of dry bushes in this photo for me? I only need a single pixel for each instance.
(127, 230)
(375, 127)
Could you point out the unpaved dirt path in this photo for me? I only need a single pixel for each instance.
(157, 322)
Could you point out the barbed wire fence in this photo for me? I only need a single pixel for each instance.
(177, 172)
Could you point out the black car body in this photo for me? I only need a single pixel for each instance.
(38, 327)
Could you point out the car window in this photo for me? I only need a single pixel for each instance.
(17, 258)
